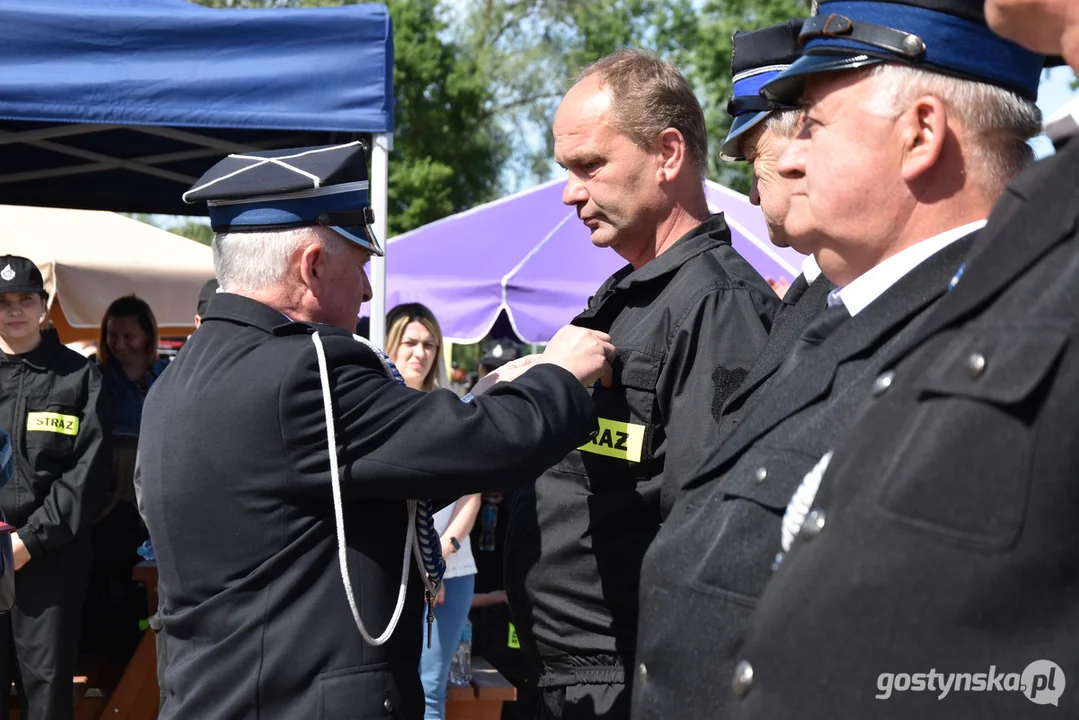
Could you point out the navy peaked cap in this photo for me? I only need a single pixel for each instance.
(945, 36)
(280, 189)
(757, 57)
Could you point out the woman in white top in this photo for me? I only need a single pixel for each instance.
(414, 344)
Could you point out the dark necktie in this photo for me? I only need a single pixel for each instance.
(815, 333)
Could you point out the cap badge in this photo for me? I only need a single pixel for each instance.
(7, 274)
(497, 351)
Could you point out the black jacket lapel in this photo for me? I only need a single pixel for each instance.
(784, 332)
(813, 376)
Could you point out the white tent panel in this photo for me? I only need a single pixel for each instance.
(90, 258)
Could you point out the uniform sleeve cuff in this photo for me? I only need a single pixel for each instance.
(30, 540)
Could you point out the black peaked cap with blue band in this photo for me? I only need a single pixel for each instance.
(757, 57)
(945, 36)
(281, 189)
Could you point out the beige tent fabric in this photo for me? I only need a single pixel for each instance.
(91, 258)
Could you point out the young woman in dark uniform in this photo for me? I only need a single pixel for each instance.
(51, 406)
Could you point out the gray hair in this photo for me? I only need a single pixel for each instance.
(784, 123)
(255, 261)
(996, 122)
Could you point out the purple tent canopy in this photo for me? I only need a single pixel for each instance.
(529, 255)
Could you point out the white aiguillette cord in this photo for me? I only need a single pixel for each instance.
(411, 541)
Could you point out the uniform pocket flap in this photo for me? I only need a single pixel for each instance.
(360, 693)
(636, 369)
(1000, 365)
(768, 476)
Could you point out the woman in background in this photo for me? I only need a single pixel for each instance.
(127, 355)
(414, 344)
(51, 404)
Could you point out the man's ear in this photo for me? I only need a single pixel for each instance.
(674, 154)
(313, 268)
(923, 129)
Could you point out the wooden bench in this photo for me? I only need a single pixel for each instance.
(483, 699)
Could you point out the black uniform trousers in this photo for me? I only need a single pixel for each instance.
(41, 633)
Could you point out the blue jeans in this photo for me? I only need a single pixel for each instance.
(435, 662)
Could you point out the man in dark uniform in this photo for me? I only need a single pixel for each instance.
(939, 574)
(255, 524)
(760, 131)
(688, 315)
(896, 165)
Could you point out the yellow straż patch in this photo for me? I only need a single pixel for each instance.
(617, 439)
(52, 422)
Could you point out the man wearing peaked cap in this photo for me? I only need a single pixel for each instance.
(928, 561)
(760, 131)
(674, 682)
(280, 459)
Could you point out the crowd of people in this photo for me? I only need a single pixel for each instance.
(854, 500)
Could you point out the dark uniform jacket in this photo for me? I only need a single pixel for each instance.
(687, 326)
(948, 537)
(703, 574)
(800, 304)
(235, 489)
(52, 405)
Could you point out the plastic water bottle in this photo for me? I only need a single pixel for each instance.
(488, 521)
(461, 668)
(146, 551)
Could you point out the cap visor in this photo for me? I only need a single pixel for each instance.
(731, 150)
(362, 235)
(787, 87)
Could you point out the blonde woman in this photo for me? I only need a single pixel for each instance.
(414, 344)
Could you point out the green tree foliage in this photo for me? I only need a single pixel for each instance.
(477, 83)
(448, 149)
(193, 230)
(712, 68)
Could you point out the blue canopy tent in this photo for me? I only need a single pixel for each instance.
(122, 104)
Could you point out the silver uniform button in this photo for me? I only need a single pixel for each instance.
(388, 705)
(883, 382)
(976, 365)
(642, 673)
(743, 678)
(813, 524)
(760, 475)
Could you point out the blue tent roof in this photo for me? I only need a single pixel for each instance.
(120, 104)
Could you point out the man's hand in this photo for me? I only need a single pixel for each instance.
(18, 549)
(779, 287)
(585, 353)
(510, 371)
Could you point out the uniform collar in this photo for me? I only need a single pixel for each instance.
(39, 356)
(810, 268)
(867, 287)
(711, 233)
(244, 310)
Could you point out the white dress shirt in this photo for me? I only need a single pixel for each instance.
(873, 283)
